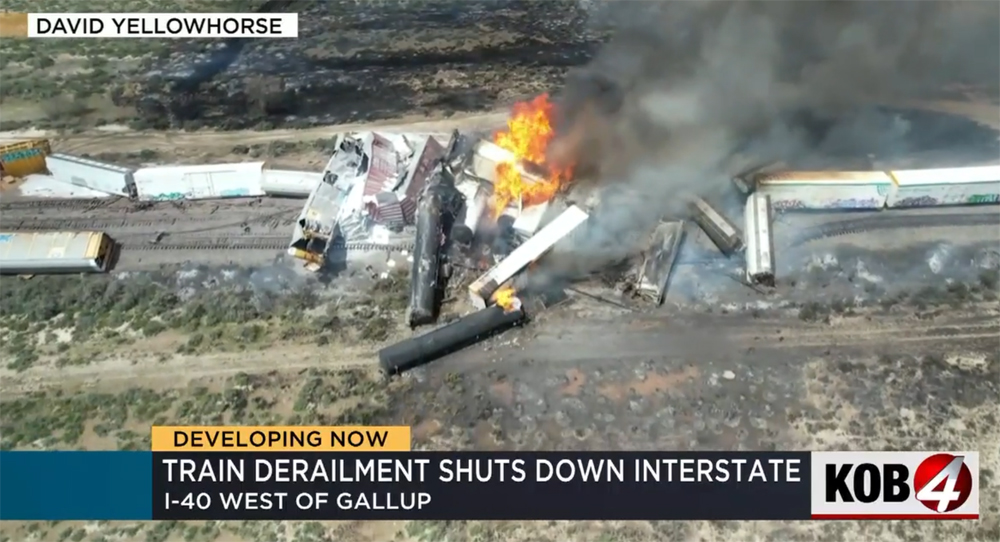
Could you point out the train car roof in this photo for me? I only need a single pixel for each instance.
(87, 162)
(824, 177)
(49, 246)
(954, 175)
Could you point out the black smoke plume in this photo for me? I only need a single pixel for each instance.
(685, 87)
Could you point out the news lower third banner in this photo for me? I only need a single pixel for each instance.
(323, 473)
(149, 25)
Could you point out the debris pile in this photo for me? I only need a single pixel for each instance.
(477, 214)
(490, 208)
(368, 194)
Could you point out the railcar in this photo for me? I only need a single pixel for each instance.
(93, 174)
(717, 227)
(826, 190)
(945, 186)
(41, 253)
(760, 241)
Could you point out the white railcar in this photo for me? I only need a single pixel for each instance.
(208, 181)
(290, 183)
(804, 190)
(945, 186)
(477, 199)
(485, 286)
(92, 174)
(759, 240)
(39, 253)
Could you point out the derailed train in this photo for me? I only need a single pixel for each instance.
(759, 240)
(29, 253)
(873, 190)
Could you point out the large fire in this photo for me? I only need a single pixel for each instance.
(506, 298)
(528, 134)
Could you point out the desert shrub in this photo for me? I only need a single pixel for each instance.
(153, 328)
(811, 312)
(990, 278)
(376, 328)
(22, 360)
(64, 106)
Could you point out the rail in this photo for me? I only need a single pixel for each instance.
(74, 203)
(245, 243)
(101, 224)
(216, 244)
(883, 222)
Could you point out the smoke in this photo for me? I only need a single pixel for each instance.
(685, 86)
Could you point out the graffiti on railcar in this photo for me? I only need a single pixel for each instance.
(234, 193)
(173, 196)
(789, 204)
(855, 203)
(983, 198)
(168, 196)
(20, 154)
(919, 201)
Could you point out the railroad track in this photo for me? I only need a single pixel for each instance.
(74, 203)
(874, 223)
(283, 218)
(248, 243)
(99, 203)
(216, 244)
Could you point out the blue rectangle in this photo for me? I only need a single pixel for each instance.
(54, 486)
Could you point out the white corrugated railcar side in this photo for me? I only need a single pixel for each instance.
(208, 181)
(945, 186)
(483, 288)
(791, 190)
(29, 253)
(290, 183)
(92, 174)
(759, 240)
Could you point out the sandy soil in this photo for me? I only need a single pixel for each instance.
(123, 140)
(575, 335)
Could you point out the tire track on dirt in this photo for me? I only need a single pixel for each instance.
(181, 369)
(130, 141)
(705, 337)
(629, 345)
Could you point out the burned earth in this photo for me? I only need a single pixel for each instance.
(355, 61)
(730, 382)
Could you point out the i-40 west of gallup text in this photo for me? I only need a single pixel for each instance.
(274, 500)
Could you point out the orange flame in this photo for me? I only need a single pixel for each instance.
(528, 134)
(506, 298)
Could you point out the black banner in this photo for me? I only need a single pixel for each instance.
(481, 485)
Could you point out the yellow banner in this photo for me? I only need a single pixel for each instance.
(13, 25)
(281, 439)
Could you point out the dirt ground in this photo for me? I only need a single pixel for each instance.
(116, 143)
(873, 380)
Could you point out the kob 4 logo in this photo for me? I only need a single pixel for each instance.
(943, 482)
(895, 485)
